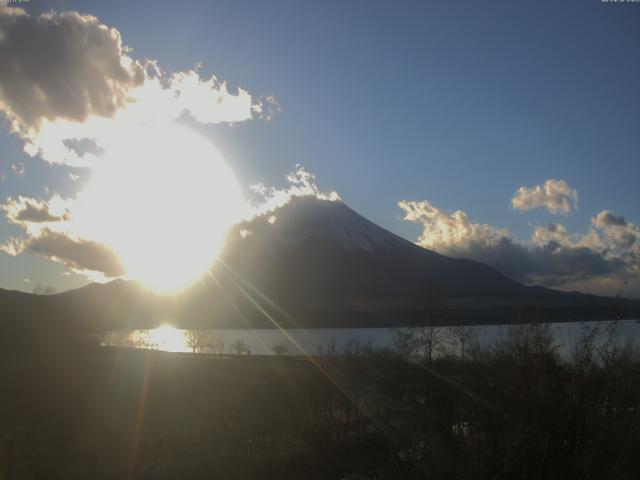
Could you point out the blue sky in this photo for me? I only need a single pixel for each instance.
(457, 103)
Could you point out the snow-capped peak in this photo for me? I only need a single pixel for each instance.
(309, 218)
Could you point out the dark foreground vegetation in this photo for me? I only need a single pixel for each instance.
(513, 411)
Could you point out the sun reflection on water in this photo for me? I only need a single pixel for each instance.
(166, 338)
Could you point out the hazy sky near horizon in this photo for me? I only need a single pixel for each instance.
(507, 132)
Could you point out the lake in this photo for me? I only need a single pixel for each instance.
(337, 341)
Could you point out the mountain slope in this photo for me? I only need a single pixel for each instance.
(320, 250)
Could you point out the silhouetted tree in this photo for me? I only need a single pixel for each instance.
(197, 340)
(239, 346)
(427, 335)
(217, 344)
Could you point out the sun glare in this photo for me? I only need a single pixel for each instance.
(168, 338)
(163, 199)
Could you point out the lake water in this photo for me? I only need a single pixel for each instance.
(336, 341)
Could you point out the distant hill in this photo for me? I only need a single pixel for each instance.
(316, 263)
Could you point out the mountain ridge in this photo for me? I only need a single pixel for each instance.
(325, 265)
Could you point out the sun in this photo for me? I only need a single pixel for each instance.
(163, 198)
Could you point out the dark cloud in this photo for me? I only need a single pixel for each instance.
(29, 210)
(551, 265)
(43, 223)
(80, 255)
(36, 214)
(82, 146)
(61, 65)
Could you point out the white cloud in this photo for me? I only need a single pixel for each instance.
(209, 101)
(554, 195)
(302, 183)
(443, 230)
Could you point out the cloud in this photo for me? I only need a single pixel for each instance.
(18, 170)
(453, 234)
(48, 231)
(443, 230)
(28, 210)
(608, 254)
(81, 256)
(302, 183)
(267, 108)
(71, 88)
(160, 100)
(617, 235)
(554, 195)
(552, 233)
(607, 219)
(82, 146)
(61, 65)
(197, 96)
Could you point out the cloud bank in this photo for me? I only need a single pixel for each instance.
(601, 260)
